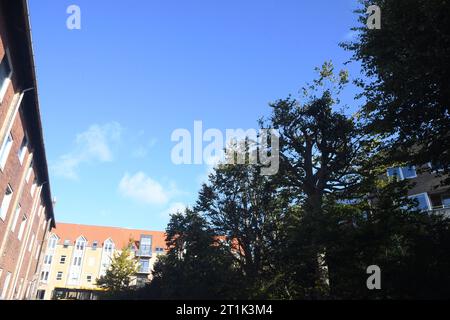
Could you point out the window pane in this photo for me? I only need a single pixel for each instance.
(409, 172)
(446, 201)
(5, 70)
(422, 201)
(394, 172)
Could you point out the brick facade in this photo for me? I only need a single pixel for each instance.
(25, 222)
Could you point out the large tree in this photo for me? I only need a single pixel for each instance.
(320, 151)
(407, 75)
(120, 273)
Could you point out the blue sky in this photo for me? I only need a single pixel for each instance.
(112, 93)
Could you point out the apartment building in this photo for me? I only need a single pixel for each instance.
(431, 196)
(77, 255)
(26, 210)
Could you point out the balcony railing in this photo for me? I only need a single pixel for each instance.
(144, 266)
(145, 251)
(442, 210)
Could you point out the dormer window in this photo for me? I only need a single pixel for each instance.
(108, 246)
(81, 243)
(52, 242)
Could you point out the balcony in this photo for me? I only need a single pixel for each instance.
(144, 251)
(441, 210)
(144, 266)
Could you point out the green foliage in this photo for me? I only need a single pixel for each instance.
(407, 78)
(120, 273)
(197, 266)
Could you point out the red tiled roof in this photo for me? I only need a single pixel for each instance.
(120, 236)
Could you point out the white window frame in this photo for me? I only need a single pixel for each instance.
(23, 149)
(442, 200)
(30, 246)
(38, 251)
(5, 150)
(6, 202)
(29, 172)
(16, 217)
(52, 242)
(23, 224)
(402, 177)
(34, 187)
(5, 85)
(59, 276)
(6, 285)
(426, 197)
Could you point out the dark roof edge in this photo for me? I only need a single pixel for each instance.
(43, 161)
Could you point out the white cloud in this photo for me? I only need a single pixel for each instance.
(143, 150)
(92, 145)
(141, 188)
(174, 208)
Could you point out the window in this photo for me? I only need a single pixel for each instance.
(5, 149)
(66, 243)
(89, 279)
(29, 172)
(16, 218)
(30, 246)
(33, 187)
(48, 259)
(159, 250)
(23, 149)
(6, 202)
(446, 201)
(402, 173)
(23, 223)
(6, 71)
(145, 248)
(108, 246)
(144, 266)
(409, 172)
(44, 276)
(52, 242)
(94, 245)
(80, 244)
(5, 285)
(62, 260)
(40, 294)
(59, 276)
(77, 261)
(423, 202)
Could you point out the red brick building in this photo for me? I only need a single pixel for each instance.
(26, 210)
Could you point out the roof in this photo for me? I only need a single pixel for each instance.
(120, 236)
